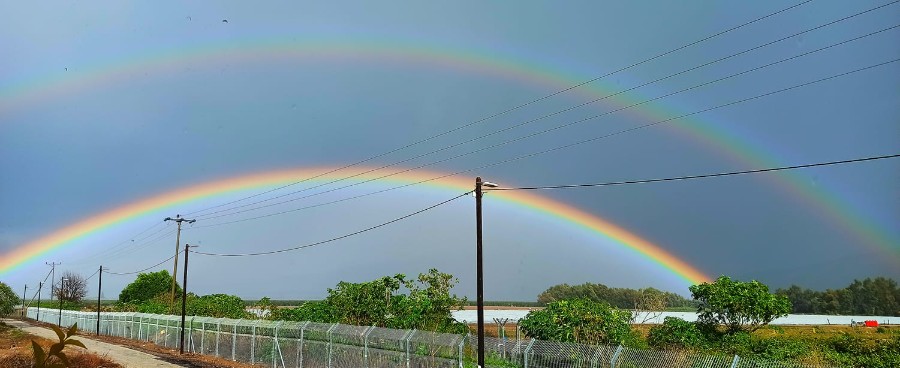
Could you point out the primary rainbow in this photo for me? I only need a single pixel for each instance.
(830, 207)
(28, 252)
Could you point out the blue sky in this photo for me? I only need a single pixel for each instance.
(73, 145)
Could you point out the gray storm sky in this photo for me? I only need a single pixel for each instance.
(106, 103)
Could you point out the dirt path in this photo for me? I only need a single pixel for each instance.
(122, 355)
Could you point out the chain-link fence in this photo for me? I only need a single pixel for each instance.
(321, 345)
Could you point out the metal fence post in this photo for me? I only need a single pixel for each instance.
(300, 347)
(528, 351)
(233, 339)
(253, 345)
(366, 344)
(459, 356)
(734, 362)
(615, 357)
(408, 338)
(277, 347)
(329, 334)
(218, 336)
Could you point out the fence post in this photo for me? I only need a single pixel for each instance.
(460, 357)
(734, 362)
(300, 347)
(218, 336)
(278, 348)
(409, 337)
(528, 351)
(253, 345)
(233, 340)
(615, 357)
(328, 334)
(366, 344)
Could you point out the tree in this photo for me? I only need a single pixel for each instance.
(147, 286)
(216, 305)
(579, 320)
(740, 306)
(8, 299)
(72, 287)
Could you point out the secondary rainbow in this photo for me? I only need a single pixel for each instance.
(825, 205)
(27, 252)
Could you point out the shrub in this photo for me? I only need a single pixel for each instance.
(581, 321)
(740, 306)
(675, 333)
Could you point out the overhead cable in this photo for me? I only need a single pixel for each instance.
(504, 112)
(310, 245)
(701, 176)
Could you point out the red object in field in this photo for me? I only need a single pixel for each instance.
(871, 323)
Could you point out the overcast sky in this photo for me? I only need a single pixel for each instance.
(106, 103)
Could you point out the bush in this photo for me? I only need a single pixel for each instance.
(309, 311)
(740, 306)
(216, 305)
(8, 299)
(675, 333)
(148, 286)
(580, 320)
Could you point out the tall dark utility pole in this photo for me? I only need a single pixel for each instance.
(52, 277)
(480, 265)
(23, 300)
(38, 316)
(178, 219)
(187, 249)
(99, 291)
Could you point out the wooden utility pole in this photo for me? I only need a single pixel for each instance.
(52, 277)
(178, 219)
(23, 300)
(99, 291)
(480, 265)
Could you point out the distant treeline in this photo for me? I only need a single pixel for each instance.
(878, 297)
(623, 298)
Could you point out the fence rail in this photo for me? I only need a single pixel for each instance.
(320, 345)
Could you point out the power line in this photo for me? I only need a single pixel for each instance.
(531, 135)
(504, 112)
(339, 237)
(207, 215)
(145, 269)
(537, 153)
(92, 275)
(701, 176)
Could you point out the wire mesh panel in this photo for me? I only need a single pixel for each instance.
(763, 363)
(635, 358)
(550, 354)
(385, 347)
(316, 348)
(348, 346)
(433, 349)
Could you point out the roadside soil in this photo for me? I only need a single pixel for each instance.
(16, 350)
(131, 353)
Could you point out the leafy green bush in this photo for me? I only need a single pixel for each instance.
(147, 286)
(675, 333)
(580, 320)
(8, 299)
(848, 350)
(740, 306)
(310, 311)
(216, 305)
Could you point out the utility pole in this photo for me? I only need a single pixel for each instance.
(184, 296)
(99, 291)
(178, 219)
(60, 299)
(52, 277)
(23, 300)
(480, 265)
(40, 286)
